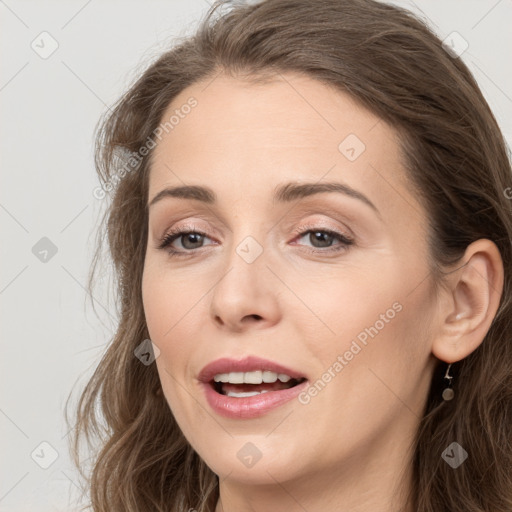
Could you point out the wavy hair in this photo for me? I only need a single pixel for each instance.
(391, 63)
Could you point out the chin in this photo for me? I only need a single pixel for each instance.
(254, 460)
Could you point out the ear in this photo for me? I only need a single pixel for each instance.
(469, 302)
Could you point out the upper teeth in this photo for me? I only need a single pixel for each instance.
(256, 377)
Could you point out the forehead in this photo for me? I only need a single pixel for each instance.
(290, 113)
(244, 139)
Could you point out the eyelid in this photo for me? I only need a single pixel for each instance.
(319, 226)
(324, 217)
(190, 224)
(184, 215)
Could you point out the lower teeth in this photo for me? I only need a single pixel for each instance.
(244, 394)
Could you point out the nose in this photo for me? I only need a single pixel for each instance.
(245, 297)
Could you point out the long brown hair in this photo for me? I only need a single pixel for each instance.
(456, 159)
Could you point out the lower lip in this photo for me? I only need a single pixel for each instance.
(250, 406)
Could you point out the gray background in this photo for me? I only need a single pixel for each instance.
(51, 338)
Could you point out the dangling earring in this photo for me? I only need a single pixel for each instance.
(448, 392)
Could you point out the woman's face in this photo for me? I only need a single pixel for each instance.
(328, 283)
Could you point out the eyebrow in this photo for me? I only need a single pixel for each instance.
(283, 193)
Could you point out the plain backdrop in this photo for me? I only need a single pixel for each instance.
(50, 104)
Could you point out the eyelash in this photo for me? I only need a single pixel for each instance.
(174, 234)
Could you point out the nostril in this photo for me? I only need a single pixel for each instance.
(254, 317)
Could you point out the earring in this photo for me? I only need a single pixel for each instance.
(448, 392)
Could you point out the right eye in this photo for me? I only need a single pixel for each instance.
(189, 240)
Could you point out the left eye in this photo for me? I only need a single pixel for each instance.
(322, 238)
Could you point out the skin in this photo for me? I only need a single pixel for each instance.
(347, 449)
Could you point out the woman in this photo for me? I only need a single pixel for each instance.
(311, 230)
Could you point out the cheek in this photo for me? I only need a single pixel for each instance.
(167, 309)
(172, 308)
(168, 300)
(370, 324)
(346, 309)
(169, 316)
(372, 372)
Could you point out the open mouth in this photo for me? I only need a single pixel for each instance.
(245, 384)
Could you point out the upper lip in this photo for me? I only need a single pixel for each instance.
(247, 364)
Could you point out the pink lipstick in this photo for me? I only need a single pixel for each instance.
(250, 387)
